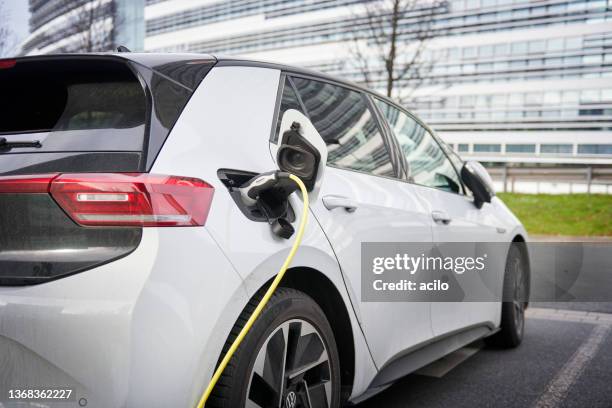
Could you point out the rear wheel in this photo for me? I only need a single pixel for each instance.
(515, 300)
(288, 359)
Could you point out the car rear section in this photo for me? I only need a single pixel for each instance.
(98, 253)
(77, 137)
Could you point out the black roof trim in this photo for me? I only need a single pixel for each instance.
(150, 59)
(147, 59)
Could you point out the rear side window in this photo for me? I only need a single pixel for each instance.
(346, 124)
(428, 165)
(86, 104)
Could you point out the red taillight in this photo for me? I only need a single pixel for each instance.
(7, 63)
(121, 199)
(26, 184)
(133, 199)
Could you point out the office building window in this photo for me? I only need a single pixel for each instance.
(556, 148)
(487, 148)
(595, 149)
(520, 148)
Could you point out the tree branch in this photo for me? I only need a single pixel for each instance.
(396, 34)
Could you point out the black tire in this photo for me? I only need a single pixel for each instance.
(288, 314)
(516, 287)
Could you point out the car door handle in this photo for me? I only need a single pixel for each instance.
(441, 217)
(330, 202)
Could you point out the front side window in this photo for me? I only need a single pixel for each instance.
(344, 120)
(427, 163)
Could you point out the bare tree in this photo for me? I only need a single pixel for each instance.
(389, 45)
(6, 37)
(92, 25)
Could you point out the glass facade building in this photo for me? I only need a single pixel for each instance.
(55, 25)
(511, 80)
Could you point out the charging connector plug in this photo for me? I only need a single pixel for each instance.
(269, 192)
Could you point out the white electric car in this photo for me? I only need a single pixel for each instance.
(128, 261)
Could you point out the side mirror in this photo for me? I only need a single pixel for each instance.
(301, 150)
(478, 180)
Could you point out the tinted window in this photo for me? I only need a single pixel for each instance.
(347, 126)
(67, 95)
(91, 113)
(427, 163)
(289, 100)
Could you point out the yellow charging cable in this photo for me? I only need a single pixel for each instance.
(266, 297)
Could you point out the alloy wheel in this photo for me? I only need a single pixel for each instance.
(291, 370)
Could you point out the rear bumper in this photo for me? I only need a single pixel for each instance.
(145, 330)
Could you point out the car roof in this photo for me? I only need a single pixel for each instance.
(153, 59)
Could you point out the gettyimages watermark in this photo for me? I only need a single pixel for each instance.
(476, 272)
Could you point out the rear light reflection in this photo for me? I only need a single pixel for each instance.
(122, 199)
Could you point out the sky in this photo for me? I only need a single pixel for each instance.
(18, 17)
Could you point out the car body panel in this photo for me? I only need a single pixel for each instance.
(469, 225)
(385, 211)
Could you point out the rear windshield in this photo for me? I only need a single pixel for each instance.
(73, 104)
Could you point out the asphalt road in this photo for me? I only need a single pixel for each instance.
(565, 361)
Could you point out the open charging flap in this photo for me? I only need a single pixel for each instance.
(301, 150)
